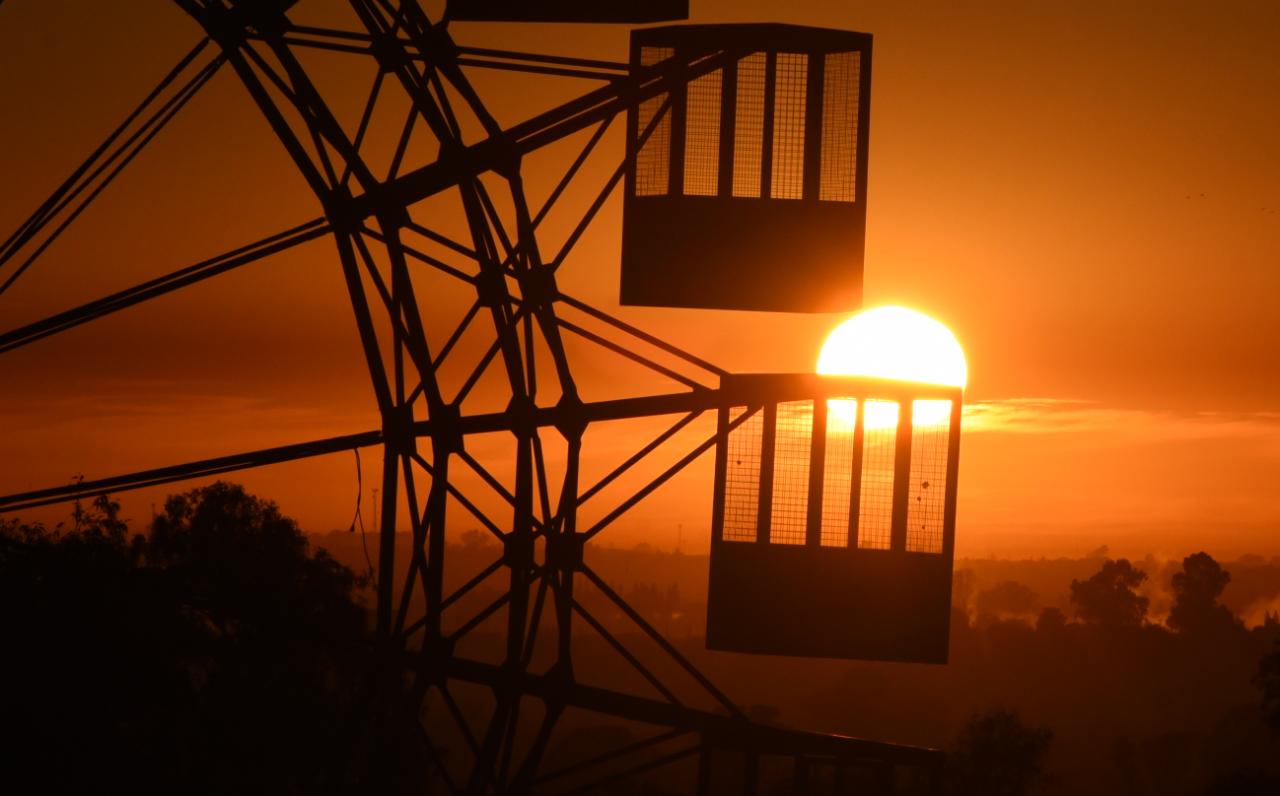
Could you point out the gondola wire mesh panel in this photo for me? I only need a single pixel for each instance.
(742, 477)
(926, 502)
(748, 191)
(788, 520)
(833, 529)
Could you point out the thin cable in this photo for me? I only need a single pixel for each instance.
(165, 114)
(358, 519)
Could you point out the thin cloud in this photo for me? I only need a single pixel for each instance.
(1074, 416)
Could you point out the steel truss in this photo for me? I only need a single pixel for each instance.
(387, 253)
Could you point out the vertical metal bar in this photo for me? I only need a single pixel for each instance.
(679, 107)
(864, 122)
(855, 470)
(721, 474)
(901, 477)
(813, 126)
(768, 438)
(766, 143)
(817, 472)
(728, 121)
(953, 476)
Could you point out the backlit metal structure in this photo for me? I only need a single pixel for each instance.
(382, 221)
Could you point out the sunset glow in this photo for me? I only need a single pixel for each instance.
(894, 343)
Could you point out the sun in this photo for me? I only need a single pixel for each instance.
(894, 343)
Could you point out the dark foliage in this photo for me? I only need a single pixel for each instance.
(1108, 598)
(216, 655)
(1196, 591)
(995, 754)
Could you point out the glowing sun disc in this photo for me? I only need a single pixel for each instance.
(894, 343)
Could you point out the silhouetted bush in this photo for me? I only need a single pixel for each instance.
(216, 655)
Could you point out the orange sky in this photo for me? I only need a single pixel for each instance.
(1087, 193)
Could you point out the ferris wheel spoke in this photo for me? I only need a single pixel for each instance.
(182, 472)
(162, 285)
(108, 170)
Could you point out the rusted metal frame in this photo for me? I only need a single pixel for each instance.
(365, 117)
(460, 718)
(60, 196)
(440, 765)
(768, 445)
(321, 122)
(304, 110)
(731, 731)
(402, 144)
(728, 127)
(476, 620)
(953, 479)
(159, 286)
(548, 127)
(855, 478)
(637, 333)
(640, 768)
(379, 28)
(651, 486)
(621, 67)
(415, 341)
(720, 477)
(379, 284)
(477, 372)
(460, 330)
(811, 162)
(458, 594)
(495, 224)
(311, 30)
(487, 477)
(509, 741)
(354, 49)
(433, 580)
(535, 620)
(432, 235)
(625, 653)
(614, 754)
(603, 195)
(766, 144)
(461, 498)
(181, 472)
(623, 351)
(650, 447)
(901, 476)
(565, 528)
(664, 476)
(663, 77)
(614, 409)
(572, 171)
(662, 642)
(439, 265)
(142, 137)
(417, 561)
(524, 778)
(817, 471)
(537, 69)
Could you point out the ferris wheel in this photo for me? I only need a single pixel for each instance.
(743, 179)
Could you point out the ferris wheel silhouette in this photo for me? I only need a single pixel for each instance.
(743, 183)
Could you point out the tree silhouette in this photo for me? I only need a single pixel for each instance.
(995, 754)
(1108, 599)
(1267, 680)
(217, 655)
(1196, 589)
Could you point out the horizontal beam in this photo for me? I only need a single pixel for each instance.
(719, 730)
(183, 472)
